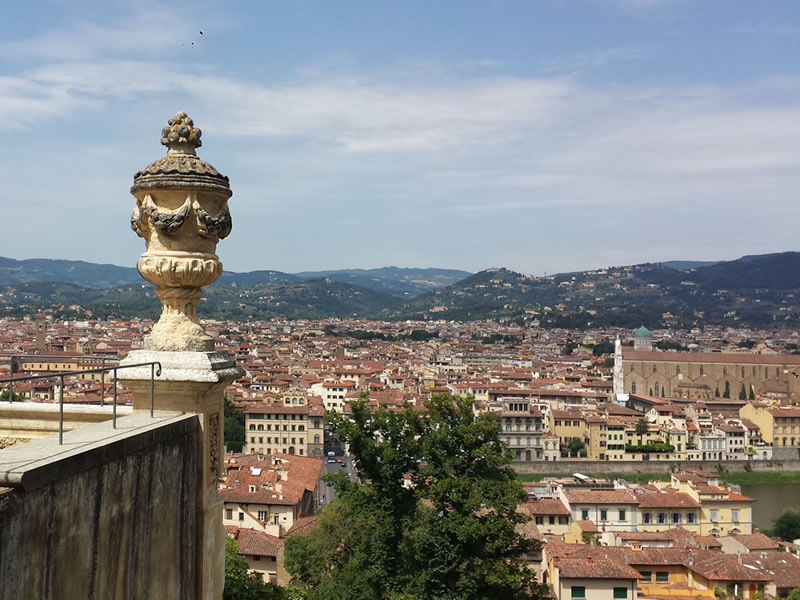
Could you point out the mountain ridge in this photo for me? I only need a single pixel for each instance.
(761, 291)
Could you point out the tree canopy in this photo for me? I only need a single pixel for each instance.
(433, 517)
(787, 526)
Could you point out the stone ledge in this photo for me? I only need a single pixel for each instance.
(35, 464)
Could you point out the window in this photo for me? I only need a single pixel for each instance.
(647, 518)
(241, 516)
(563, 520)
(552, 520)
(584, 515)
(633, 387)
(735, 515)
(702, 370)
(622, 515)
(690, 517)
(257, 557)
(229, 514)
(275, 519)
(656, 388)
(604, 514)
(262, 515)
(620, 592)
(725, 371)
(678, 370)
(714, 515)
(647, 576)
(662, 517)
(676, 517)
(654, 368)
(662, 577)
(578, 591)
(539, 520)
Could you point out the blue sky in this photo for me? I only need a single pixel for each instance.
(540, 135)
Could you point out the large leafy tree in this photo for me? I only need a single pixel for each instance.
(434, 516)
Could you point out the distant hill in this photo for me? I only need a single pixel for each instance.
(686, 265)
(312, 299)
(404, 282)
(396, 281)
(78, 272)
(760, 291)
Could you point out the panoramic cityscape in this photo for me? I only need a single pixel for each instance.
(582, 381)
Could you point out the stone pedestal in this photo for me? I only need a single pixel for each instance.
(193, 382)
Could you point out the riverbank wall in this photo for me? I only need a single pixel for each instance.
(598, 467)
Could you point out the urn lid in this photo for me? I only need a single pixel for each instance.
(181, 168)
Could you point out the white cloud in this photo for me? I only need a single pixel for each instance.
(145, 31)
(429, 149)
(597, 58)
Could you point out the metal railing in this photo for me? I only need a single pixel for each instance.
(155, 371)
(65, 358)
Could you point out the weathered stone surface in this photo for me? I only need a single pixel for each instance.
(181, 212)
(192, 382)
(107, 515)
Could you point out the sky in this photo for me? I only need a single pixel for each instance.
(539, 135)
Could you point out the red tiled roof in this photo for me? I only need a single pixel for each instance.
(257, 543)
(594, 568)
(599, 496)
(546, 506)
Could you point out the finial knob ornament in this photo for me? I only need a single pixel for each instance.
(181, 135)
(181, 212)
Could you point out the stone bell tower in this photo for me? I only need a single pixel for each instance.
(181, 211)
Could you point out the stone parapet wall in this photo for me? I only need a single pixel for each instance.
(33, 420)
(108, 514)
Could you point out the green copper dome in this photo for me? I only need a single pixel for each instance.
(643, 333)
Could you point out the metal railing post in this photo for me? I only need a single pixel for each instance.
(11, 381)
(102, 382)
(114, 409)
(61, 411)
(152, 388)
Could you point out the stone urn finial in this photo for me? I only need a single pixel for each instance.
(181, 212)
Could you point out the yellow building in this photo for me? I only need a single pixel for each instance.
(568, 425)
(779, 426)
(722, 511)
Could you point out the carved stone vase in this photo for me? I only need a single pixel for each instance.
(181, 212)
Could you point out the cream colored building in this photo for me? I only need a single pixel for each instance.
(295, 426)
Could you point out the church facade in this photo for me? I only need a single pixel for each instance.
(702, 375)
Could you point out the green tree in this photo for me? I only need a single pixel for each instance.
(752, 394)
(234, 427)
(716, 392)
(466, 540)
(434, 516)
(742, 393)
(787, 526)
(727, 392)
(240, 584)
(575, 446)
(15, 397)
(642, 426)
(794, 594)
